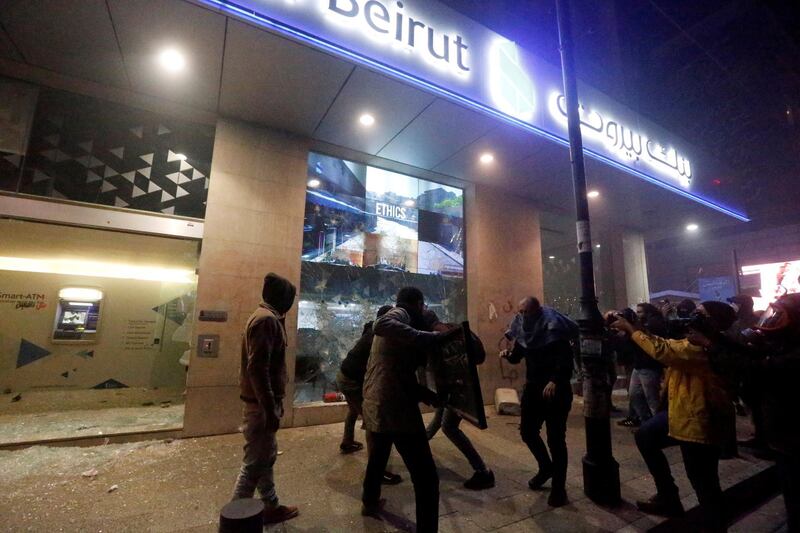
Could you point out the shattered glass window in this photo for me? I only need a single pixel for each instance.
(368, 232)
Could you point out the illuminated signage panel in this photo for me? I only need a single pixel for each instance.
(440, 50)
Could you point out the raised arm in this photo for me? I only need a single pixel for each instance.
(396, 325)
(675, 353)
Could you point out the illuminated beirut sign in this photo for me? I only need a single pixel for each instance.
(432, 47)
(391, 21)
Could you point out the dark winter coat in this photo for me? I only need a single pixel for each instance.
(391, 390)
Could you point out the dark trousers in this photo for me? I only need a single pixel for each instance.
(789, 467)
(449, 421)
(416, 454)
(700, 460)
(537, 411)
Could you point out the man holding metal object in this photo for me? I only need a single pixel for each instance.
(391, 406)
(447, 417)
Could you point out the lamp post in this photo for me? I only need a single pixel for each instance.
(600, 470)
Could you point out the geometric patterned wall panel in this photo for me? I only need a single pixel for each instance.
(99, 152)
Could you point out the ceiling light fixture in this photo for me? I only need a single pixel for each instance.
(409, 203)
(593, 194)
(551, 257)
(366, 120)
(597, 245)
(692, 227)
(172, 60)
(96, 269)
(314, 183)
(487, 158)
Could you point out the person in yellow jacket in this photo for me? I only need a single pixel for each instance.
(696, 418)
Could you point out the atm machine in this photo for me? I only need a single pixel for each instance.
(78, 315)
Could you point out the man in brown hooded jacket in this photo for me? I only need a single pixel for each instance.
(262, 380)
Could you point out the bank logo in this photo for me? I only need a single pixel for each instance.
(511, 88)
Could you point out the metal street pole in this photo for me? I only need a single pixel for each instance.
(600, 470)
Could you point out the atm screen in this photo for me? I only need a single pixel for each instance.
(76, 320)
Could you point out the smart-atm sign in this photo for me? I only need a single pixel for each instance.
(433, 47)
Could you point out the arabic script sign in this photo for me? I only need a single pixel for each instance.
(626, 141)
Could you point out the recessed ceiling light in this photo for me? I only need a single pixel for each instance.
(366, 119)
(172, 60)
(314, 183)
(551, 257)
(597, 245)
(593, 194)
(692, 227)
(487, 158)
(409, 203)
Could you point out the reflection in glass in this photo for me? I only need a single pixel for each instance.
(367, 233)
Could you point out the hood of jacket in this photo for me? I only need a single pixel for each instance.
(278, 293)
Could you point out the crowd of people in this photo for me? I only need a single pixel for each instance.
(688, 365)
(689, 368)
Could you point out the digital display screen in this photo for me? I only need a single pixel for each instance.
(76, 320)
(771, 281)
(358, 215)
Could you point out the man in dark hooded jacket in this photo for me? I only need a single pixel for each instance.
(262, 380)
(350, 380)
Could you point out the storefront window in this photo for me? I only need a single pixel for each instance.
(561, 264)
(367, 233)
(95, 331)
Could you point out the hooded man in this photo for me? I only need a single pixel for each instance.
(391, 406)
(351, 383)
(542, 337)
(262, 381)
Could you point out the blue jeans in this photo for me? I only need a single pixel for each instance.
(448, 420)
(644, 393)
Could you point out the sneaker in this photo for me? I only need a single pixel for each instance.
(557, 498)
(350, 447)
(629, 422)
(480, 481)
(669, 506)
(391, 479)
(279, 514)
(537, 481)
(373, 509)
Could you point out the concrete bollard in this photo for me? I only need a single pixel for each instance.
(506, 402)
(242, 516)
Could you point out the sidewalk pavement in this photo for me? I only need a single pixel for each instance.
(181, 485)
